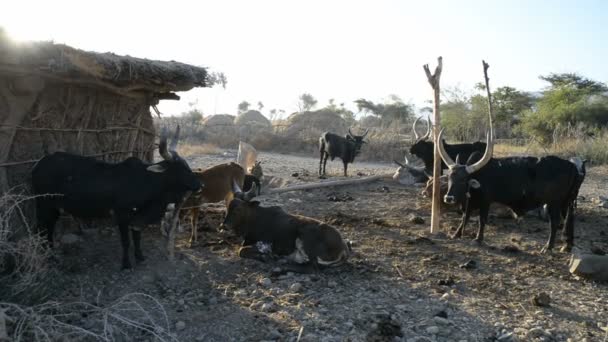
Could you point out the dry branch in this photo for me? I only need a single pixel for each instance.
(329, 184)
(434, 82)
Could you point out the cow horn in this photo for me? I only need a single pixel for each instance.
(487, 155)
(251, 193)
(175, 139)
(428, 128)
(235, 187)
(444, 155)
(457, 161)
(162, 145)
(398, 163)
(364, 134)
(349, 132)
(416, 136)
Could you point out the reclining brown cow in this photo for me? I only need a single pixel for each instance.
(267, 231)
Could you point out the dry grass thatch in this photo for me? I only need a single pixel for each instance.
(310, 125)
(252, 117)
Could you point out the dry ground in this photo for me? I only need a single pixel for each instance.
(400, 279)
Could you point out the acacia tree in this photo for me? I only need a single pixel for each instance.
(306, 102)
(393, 110)
(243, 107)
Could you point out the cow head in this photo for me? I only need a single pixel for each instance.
(460, 179)
(422, 147)
(239, 212)
(356, 140)
(245, 196)
(175, 168)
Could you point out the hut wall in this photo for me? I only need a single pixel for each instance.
(52, 117)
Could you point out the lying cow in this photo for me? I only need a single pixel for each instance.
(134, 192)
(307, 242)
(223, 183)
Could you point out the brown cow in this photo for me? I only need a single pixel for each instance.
(223, 182)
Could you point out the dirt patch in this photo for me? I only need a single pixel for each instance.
(401, 284)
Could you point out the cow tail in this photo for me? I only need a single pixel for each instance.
(576, 180)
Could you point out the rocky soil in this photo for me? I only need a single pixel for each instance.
(402, 284)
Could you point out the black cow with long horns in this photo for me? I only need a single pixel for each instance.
(423, 148)
(346, 148)
(520, 183)
(133, 192)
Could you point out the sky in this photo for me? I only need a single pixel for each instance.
(273, 51)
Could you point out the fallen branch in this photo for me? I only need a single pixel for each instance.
(329, 184)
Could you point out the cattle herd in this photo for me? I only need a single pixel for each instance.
(135, 193)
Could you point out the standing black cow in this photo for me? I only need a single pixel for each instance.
(520, 183)
(132, 191)
(424, 149)
(346, 148)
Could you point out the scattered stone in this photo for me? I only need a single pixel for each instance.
(505, 337)
(445, 296)
(541, 299)
(415, 219)
(181, 302)
(332, 284)
(441, 320)
(590, 266)
(433, 330)
(268, 307)
(597, 250)
(449, 281)
(266, 282)
(181, 325)
(295, 174)
(469, 265)
(535, 332)
(275, 335)
(295, 287)
(510, 249)
(442, 314)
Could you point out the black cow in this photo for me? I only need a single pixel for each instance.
(132, 191)
(307, 242)
(424, 149)
(520, 183)
(346, 148)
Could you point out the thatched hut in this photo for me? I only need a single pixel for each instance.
(57, 98)
(252, 124)
(310, 125)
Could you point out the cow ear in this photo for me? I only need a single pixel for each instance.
(474, 183)
(158, 168)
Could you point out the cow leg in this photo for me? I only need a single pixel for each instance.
(251, 252)
(194, 212)
(325, 162)
(484, 209)
(569, 229)
(345, 168)
(124, 241)
(322, 154)
(555, 220)
(139, 256)
(465, 220)
(47, 218)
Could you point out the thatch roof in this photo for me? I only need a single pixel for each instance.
(219, 120)
(252, 117)
(316, 122)
(126, 75)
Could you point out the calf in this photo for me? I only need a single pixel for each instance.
(134, 192)
(521, 183)
(346, 148)
(307, 242)
(223, 182)
(424, 149)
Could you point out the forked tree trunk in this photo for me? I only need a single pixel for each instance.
(436, 203)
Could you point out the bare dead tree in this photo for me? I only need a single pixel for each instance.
(434, 82)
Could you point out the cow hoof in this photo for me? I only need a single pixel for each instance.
(456, 236)
(192, 244)
(546, 250)
(477, 242)
(140, 258)
(126, 266)
(566, 249)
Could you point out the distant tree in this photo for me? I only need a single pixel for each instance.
(394, 110)
(306, 102)
(273, 114)
(260, 106)
(194, 116)
(574, 81)
(243, 107)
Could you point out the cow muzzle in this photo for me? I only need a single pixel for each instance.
(449, 199)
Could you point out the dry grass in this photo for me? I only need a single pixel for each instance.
(592, 149)
(134, 315)
(188, 149)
